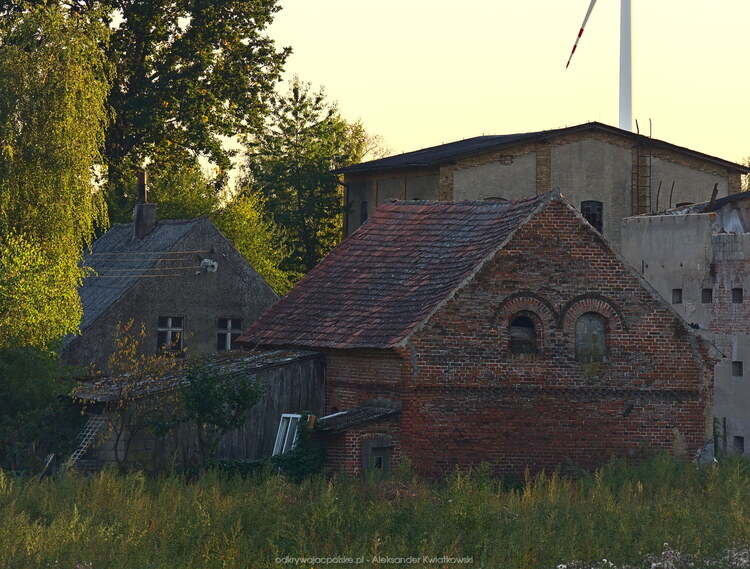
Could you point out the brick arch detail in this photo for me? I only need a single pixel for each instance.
(525, 302)
(592, 303)
(532, 306)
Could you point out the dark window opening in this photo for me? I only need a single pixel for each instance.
(593, 212)
(739, 445)
(737, 296)
(707, 295)
(362, 212)
(227, 331)
(169, 332)
(522, 336)
(376, 455)
(676, 296)
(590, 338)
(736, 369)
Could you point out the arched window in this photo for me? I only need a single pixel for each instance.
(590, 338)
(522, 336)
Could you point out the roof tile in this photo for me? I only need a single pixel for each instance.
(386, 278)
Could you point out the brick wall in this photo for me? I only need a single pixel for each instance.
(467, 399)
(345, 449)
(519, 411)
(354, 376)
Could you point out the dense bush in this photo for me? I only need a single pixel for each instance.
(623, 513)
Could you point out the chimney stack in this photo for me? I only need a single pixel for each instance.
(145, 213)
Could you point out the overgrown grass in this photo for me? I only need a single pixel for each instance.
(622, 513)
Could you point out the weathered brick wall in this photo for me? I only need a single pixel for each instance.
(344, 450)
(354, 376)
(470, 400)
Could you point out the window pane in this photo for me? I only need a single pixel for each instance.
(737, 295)
(291, 435)
(522, 336)
(590, 338)
(223, 323)
(163, 322)
(176, 321)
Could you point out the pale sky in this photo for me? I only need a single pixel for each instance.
(424, 72)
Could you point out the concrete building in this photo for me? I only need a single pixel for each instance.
(698, 257)
(502, 332)
(181, 279)
(605, 172)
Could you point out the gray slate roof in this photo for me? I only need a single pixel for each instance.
(443, 153)
(118, 260)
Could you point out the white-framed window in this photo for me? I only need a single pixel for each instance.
(286, 436)
(169, 333)
(227, 331)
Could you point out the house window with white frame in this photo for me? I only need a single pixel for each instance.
(169, 333)
(286, 436)
(227, 331)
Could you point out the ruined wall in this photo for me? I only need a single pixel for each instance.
(692, 254)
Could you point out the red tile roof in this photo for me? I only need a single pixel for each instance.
(391, 274)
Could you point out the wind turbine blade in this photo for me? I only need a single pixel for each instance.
(580, 33)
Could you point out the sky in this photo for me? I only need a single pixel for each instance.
(426, 72)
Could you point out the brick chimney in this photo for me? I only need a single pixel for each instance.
(145, 213)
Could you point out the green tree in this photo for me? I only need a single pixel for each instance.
(36, 416)
(187, 74)
(183, 192)
(257, 239)
(211, 399)
(289, 164)
(53, 89)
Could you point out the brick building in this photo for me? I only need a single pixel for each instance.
(698, 257)
(506, 332)
(605, 172)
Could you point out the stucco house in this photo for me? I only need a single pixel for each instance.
(182, 279)
(501, 332)
(607, 173)
(698, 258)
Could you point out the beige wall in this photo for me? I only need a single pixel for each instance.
(595, 170)
(690, 185)
(513, 178)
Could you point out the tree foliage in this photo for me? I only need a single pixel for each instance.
(216, 403)
(289, 164)
(35, 416)
(187, 74)
(212, 401)
(53, 89)
(257, 238)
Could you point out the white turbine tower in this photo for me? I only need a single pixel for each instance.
(626, 83)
